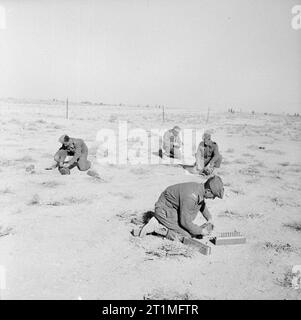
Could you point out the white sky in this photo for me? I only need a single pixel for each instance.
(217, 53)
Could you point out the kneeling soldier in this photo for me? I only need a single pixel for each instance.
(178, 206)
(71, 147)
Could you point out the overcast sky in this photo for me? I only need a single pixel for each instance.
(194, 53)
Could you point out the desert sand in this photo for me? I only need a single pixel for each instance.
(68, 237)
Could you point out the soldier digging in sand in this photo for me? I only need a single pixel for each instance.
(178, 206)
(172, 143)
(71, 147)
(207, 156)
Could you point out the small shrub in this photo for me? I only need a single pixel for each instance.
(296, 226)
(50, 184)
(35, 200)
(279, 247)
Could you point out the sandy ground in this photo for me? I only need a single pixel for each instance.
(69, 236)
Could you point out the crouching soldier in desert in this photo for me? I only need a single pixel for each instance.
(178, 206)
(71, 147)
(172, 143)
(207, 156)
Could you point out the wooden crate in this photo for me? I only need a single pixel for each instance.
(228, 238)
(202, 247)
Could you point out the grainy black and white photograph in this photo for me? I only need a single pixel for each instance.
(150, 150)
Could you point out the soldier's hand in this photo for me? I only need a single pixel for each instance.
(207, 228)
(208, 169)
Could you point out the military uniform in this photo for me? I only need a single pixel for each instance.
(208, 154)
(178, 206)
(79, 150)
(171, 144)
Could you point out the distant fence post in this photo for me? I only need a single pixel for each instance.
(163, 113)
(208, 115)
(67, 109)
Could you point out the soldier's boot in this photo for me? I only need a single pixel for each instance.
(153, 225)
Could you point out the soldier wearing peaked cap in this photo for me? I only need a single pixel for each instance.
(178, 206)
(71, 147)
(172, 143)
(207, 156)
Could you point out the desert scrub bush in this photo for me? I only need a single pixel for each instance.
(248, 155)
(253, 215)
(14, 121)
(51, 184)
(296, 226)
(237, 191)
(235, 215)
(239, 161)
(113, 118)
(159, 294)
(172, 249)
(40, 121)
(287, 280)
(226, 162)
(122, 195)
(227, 184)
(26, 159)
(278, 202)
(131, 216)
(277, 152)
(250, 171)
(32, 128)
(275, 174)
(253, 180)
(229, 214)
(30, 168)
(35, 200)
(67, 201)
(5, 231)
(55, 203)
(6, 163)
(57, 126)
(279, 247)
(260, 164)
(75, 200)
(295, 169)
(6, 191)
(284, 164)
